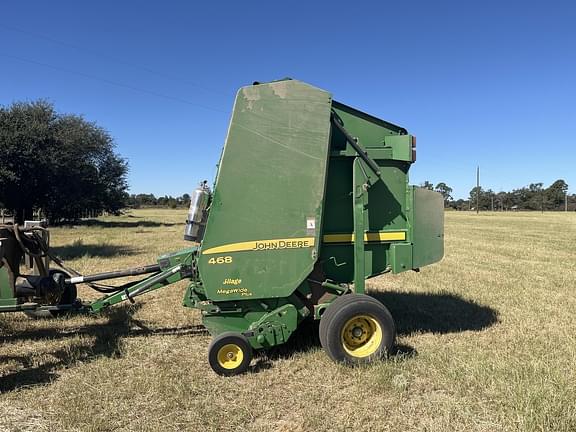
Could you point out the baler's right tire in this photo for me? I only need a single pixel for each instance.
(357, 329)
(230, 354)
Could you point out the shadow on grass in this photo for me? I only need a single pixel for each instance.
(122, 224)
(306, 338)
(435, 313)
(104, 339)
(412, 312)
(78, 249)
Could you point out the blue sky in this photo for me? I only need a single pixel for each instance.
(479, 83)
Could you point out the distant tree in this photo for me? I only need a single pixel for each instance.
(458, 204)
(146, 199)
(535, 197)
(502, 201)
(484, 199)
(162, 201)
(446, 191)
(427, 185)
(572, 202)
(556, 194)
(473, 196)
(59, 163)
(532, 197)
(186, 200)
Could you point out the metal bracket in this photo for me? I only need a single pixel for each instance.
(359, 254)
(355, 145)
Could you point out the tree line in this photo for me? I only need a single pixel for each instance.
(149, 200)
(532, 197)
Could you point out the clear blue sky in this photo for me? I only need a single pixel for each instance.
(479, 83)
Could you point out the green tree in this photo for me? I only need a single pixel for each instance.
(186, 199)
(484, 198)
(427, 185)
(556, 194)
(572, 202)
(535, 197)
(61, 164)
(446, 192)
(502, 201)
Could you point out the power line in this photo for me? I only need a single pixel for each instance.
(111, 82)
(111, 58)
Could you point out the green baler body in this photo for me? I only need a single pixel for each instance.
(290, 200)
(311, 199)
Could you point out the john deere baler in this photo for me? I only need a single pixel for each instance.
(311, 196)
(310, 200)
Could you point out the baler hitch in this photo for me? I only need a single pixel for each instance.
(154, 268)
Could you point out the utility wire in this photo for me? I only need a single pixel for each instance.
(111, 58)
(110, 82)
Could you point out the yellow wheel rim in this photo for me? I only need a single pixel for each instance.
(361, 336)
(230, 356)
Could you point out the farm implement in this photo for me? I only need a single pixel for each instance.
(311, 199)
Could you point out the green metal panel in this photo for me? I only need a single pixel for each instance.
(401, 257)
(263, 229)
(402, 147)
(6, 291)
(263, 323)
(428, 223)
(7, 298)
(384, 202)
(370, 131)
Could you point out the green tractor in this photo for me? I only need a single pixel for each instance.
(310, 200)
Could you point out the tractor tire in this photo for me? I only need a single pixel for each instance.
(357, 329)
(230, 354)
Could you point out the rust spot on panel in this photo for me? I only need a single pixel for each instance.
(280, 89)
(251, 95)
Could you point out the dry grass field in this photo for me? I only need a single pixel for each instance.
(487, 342)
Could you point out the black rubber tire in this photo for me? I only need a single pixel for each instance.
(69, 296)
(221, 342)
(342, 311)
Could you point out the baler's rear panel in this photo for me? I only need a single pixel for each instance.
(387, 211)
(428, 227)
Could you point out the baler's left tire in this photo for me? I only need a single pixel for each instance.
(357, 329)
(230, 354)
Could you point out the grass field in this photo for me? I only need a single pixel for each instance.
(487, 342)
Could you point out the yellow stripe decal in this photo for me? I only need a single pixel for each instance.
(261, 245)
(303, 242)
(368, 237)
